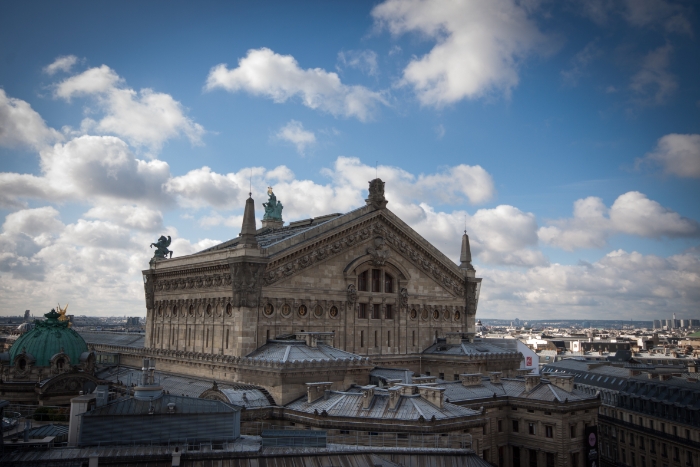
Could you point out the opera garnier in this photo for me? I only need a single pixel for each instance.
(346, 323)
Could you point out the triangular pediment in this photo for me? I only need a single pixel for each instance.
(358, 233)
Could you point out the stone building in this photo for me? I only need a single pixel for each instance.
(366, 276)
(646, 418)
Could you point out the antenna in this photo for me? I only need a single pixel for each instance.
(465, 223)
(250, 184)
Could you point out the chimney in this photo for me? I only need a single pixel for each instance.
(565, 382)
(453, 338)
(465, 256)
(367, 395)
(433, 395)
(248, 229)
(424, 379)
(394, 397)
(407, 389)
(315, 391)
(471, 379)
(531, 382)
(495, 377)
(78, 406)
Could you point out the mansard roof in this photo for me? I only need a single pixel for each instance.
(466, 348)
(455, 391)
(349, 404)
(283, 351)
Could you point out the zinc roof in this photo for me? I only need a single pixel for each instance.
(183, 405)
(478, 347)
(296, 350)
(124, 339)
(455, 391)
(349, 404)
(406, 376)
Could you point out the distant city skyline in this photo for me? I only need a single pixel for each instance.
(564, 136)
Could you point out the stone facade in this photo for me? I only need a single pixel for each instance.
(366, 276)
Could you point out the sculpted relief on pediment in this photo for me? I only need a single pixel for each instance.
(383, 235)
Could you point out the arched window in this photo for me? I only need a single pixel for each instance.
(22, 363)
(60, 363)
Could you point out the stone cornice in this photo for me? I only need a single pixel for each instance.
(242, 363)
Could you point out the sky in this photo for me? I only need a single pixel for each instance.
(563, 135)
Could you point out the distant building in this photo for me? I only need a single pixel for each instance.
(27, 317)
(657, 324)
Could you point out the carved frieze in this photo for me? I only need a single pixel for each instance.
(326, 248)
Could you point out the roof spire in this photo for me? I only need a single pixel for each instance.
(465, 256)
(248, 228)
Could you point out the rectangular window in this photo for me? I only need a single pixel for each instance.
(549, 431)
(413, 338)
(227, 333)
(622, 436)
(388, 338)
(441, 375)
(362, 338)
(362, 311)
(389, 312)
(207, 342)
(574, 459)
(516, 457)
(376, 311)
(516, 428)
(531, 428)
(676, 454)
(267, 336)
(652, 446)
(643, 461)
(376, 341)
(550, 459)
(376, 280)
(362, 282)
(456, 377)
(500, 426)
(623, 456)
(501, 456)
(533, 458)
(487, 454)
(664, 452)
(572, 431)
(641, 442)
(388, 283)
(631, 439)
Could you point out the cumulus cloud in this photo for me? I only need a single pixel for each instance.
(614, 285)
(294, 132)
(145, 118)
(22, 126)
(654, 84)
(63, 63)
(279, 77)
(363, 60)
(130, 216)
(677, 155)
(672, 17)
(479, 46)
(89, 168)
(632, 213)
(202, 187)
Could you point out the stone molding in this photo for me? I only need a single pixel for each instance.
(323, 249)
(244, 362)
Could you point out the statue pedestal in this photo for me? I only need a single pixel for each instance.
(272, 223)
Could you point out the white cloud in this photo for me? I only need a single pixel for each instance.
(22, 126)
(479, 46)
(654, 84)
(294, 132)
(129, 216)
(145, 118)
(363, 60)
(677, 155)
(201, 187)
(673, 17)
(632, 213)
(89, 168)
(627, 285)
(278, 77)
(63, 63)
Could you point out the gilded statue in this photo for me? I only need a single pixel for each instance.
(273, 208)
(62, 313)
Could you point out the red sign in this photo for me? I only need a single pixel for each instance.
(528, 361)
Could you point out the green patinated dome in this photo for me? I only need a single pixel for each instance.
(47, 339)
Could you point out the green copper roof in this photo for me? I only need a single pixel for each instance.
(47, 339)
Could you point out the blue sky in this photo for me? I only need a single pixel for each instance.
(566, 134)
